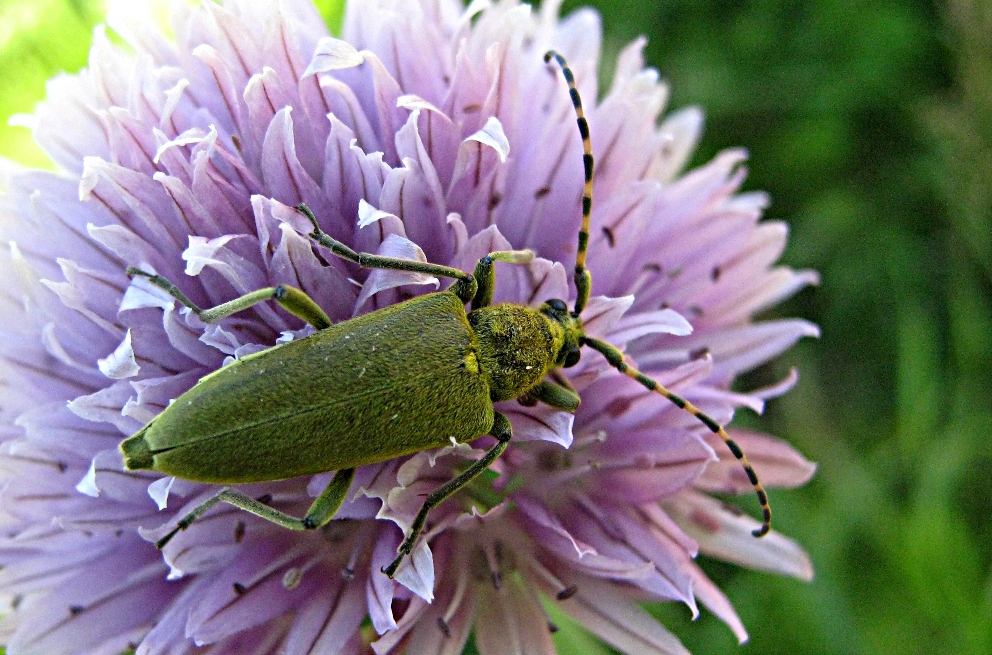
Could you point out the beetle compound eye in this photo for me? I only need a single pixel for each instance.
(558, 305)
(572, 357)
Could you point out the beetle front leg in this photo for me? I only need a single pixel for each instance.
(554, 395)
(485, 273)
(321, 511)
(290, 298)
(502, 431)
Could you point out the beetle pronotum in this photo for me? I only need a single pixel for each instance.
(283, 412)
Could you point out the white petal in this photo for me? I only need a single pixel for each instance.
(602, 313)
(187, 138)
(202, 252)
(141, 294)
(217, 337)
(333, 54)
(367, 214)
(381, 279)
(414, 102)
(88, 484)
(120, 364)
(726, 534)
(159, 491)
(492, 135)
(602, 608)
(662, 321)
(416, 573)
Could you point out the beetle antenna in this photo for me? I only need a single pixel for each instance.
(616, 360)
(583, 279)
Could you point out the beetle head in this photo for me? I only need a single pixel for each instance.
(569, 353)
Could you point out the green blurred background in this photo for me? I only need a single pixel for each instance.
(871, 126)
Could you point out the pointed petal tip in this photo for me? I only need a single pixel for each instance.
(333, 54)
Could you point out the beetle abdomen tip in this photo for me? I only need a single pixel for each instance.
(137, 454)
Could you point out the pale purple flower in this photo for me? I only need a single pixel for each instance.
(429, 130)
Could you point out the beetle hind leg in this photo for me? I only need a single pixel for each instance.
(502, 431)
(291, 299)
(321, 511)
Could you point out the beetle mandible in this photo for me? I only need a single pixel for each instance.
(284, 412)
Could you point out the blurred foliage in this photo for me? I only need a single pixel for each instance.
(38, 39)
(871, 126)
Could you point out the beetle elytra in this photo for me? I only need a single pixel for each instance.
(284, 412)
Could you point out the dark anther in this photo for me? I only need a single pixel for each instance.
(444, 627)
(699, 353)
(732, 509)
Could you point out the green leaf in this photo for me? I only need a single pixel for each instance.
(38, 39)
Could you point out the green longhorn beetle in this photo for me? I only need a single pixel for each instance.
(299, 408)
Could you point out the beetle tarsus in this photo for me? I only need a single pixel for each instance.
(390, 570)
(161, 543)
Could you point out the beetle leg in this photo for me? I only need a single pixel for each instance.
(477, 289)
(290, 298)
(502, 431)
(368, 260)
(555, 395)
(485, 273)
(320, 513)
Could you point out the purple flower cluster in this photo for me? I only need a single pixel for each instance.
(428, 131)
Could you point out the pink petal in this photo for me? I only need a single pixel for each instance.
(603, 609)
(726, 535)
(509, 620)
(777, 463)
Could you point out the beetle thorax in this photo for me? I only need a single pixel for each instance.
(518, 346)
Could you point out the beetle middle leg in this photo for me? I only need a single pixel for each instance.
(485, 273)
(321, 511)
(502, 431)
(290, 298)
